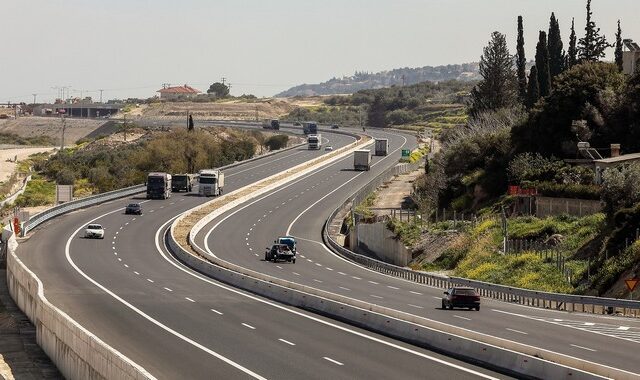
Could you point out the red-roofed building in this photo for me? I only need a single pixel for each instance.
(172, 93)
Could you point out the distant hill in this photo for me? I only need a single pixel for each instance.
(364, 80)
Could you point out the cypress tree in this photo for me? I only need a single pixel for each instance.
(592, 45)
(542, 65)
(498, 87)
(533, 90)
(521, 63)
(618, 53)
(376, 114)
(556, 55)
(572, 54)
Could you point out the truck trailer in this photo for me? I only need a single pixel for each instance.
(314, 141)
(158, 185)
(210, 182)
(310, 128)
(362, 159)
(181, 182)
(382, 147)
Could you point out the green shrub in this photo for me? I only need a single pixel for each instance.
(39, 192)
(276, 142)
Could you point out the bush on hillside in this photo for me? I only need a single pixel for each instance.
(276, 142)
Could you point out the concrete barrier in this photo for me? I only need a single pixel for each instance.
(76, 352)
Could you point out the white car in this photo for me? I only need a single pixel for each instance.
(94, 231)
(328, 147)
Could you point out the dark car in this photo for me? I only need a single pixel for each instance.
(461, 297)
(133, 208)
(335, 126)
(280, 252)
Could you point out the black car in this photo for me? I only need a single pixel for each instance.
(462, 297)
(335, 126)
(133, 208)
(280, 252)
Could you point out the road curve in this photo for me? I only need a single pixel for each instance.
(174, 322)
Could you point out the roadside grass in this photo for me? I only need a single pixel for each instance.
(476, 253)
(408, 232)
(39, 192)
(363, 207)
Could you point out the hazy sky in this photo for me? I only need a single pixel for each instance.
(130, 48)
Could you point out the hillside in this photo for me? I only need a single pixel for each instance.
(364, 81)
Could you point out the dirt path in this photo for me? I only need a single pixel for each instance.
(7, 159)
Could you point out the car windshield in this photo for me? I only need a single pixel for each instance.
(465, 292)
(94, 227)
(134, 205)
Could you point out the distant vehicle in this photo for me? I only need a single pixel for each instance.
(158, 185)
(271, 124)
(290, 241)
(210, 182)
(381, 147)
(133, 208)
(314, 141)
(328, 147)
(462, 297)
(94, 231)
(297, 124)
(310, 128)
(335, 126)
(362, 159)
(280, 252)
(181, 182)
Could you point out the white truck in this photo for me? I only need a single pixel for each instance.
(362, 159)
(210, 182)
(314, 141)
(382, 147)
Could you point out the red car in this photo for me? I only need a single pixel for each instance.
(462, 297)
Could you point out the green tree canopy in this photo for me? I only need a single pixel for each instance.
(582, 92)
(572, 53)
(533, 89)
(521, 63)
(618, 53)
(556, 52)
(376, 115)
(498, 87)
(218, 89)
(593, 45)
(542, 64)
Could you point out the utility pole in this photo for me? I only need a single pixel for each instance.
(229, 86)
(402, 80)
(100, 95)
(223, 80)
(63, 128)
(34, 98)
(124, 127)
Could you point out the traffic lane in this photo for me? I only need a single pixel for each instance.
(243, 318)
(387, 294)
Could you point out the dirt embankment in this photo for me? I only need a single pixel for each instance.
(227, 110)
(33, 126)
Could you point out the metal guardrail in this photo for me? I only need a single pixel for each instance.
(558, 301)
(64, 208)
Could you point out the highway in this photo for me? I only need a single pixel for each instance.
(176, 323)
(300, 208)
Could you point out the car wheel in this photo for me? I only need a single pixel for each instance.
(478, 308)
(443, 305)
(450, 306)
(266, 257)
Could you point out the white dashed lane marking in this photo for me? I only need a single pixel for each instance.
(150, 280)
(416, 306)
(136, 273)
(342, 273)
(287, 342)
(356, 278)
(189, 299)
(583, 348)
(416, 293)
(126, 266)
(374, 296)
(318, 281)
(333, 361)
(168, 290)
(465, 318)
(392, 287)
(518, 331)
(373, 282)
(295, 273)
(248, 326)
(217, 312)
(343, 288)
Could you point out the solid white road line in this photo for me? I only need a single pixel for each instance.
(141, 313)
